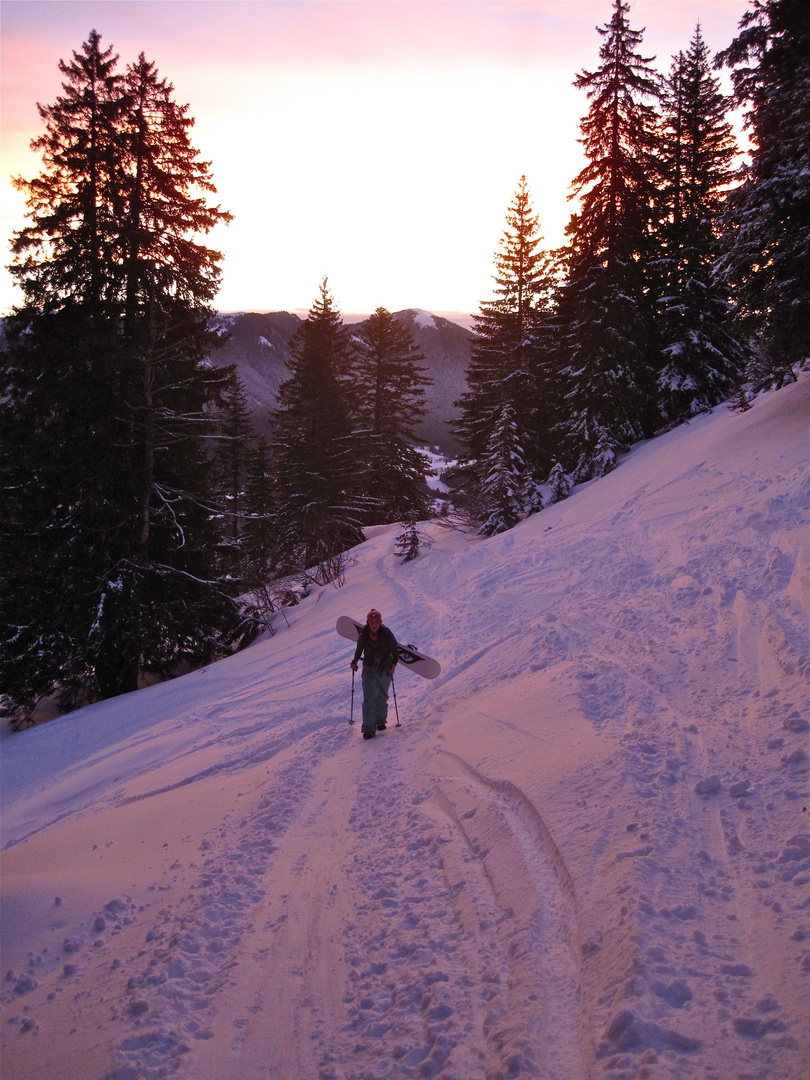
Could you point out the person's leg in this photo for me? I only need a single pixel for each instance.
(370, 691)
(375, 700)
(384, 683)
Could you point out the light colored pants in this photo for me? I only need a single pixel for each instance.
(375, 698)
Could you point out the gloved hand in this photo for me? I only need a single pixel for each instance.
(354, 665)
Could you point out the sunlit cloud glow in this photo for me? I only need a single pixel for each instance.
(378, 143)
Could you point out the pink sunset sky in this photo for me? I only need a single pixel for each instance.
(377, 142)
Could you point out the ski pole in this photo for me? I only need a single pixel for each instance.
(396, 707)
(351, 714)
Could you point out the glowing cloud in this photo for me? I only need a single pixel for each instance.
(376, 142)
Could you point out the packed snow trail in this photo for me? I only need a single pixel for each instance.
(585, 854)
(342, 919)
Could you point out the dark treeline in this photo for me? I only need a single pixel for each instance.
(685, 279)
(143, 518)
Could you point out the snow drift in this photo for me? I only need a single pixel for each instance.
(585, 852)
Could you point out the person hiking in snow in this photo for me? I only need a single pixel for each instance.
(378, 647)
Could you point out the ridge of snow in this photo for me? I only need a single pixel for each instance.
(585, 852)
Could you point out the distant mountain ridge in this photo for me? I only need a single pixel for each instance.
(258, 343)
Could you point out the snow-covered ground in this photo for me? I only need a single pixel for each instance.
(585, 853)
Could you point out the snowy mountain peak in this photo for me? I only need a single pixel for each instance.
(423, 318)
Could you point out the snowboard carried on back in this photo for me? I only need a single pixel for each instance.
(408, 655)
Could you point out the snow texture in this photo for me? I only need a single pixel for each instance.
(584, 854)
(423, 318)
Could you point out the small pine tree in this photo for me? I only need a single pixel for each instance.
(408, 542)
(505, 469)
(558, 483)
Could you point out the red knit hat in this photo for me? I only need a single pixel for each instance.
(374, 612)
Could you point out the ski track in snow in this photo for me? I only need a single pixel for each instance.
(585, 854)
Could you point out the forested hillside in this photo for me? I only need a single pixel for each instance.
(258, 345)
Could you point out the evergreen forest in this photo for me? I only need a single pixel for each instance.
(148, 529)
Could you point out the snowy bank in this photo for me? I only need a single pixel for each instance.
(585, 852)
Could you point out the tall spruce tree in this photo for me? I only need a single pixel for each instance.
(389, 385)
(70, 250)
(608, 348)
(507, 394)
(320, 510)
(767, 223)
(167, 209)
(110, 512)
(701, 359)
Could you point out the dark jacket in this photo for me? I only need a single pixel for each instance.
(380, 655)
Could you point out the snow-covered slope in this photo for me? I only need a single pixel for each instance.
(585, 852)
